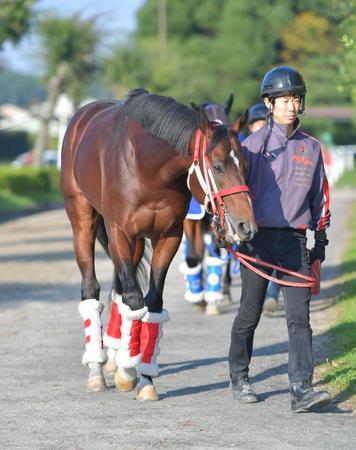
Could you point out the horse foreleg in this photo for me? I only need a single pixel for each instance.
(84, 220)
(125, 255)
(152, 322)
(192, 269)
(112, 335)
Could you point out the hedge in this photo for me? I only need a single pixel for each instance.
(28, 180)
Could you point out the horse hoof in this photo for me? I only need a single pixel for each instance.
(96, 384)
(227, 300)
(110, 367)
(146, 393)
(212, 310)
(125, 381)
(200, 306)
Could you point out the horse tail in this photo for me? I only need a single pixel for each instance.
(144, 267)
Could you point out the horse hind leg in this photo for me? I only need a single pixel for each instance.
(84, 221)
(112, 334)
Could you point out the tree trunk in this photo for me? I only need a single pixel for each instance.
(54, 89)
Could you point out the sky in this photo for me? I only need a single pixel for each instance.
(117, 18)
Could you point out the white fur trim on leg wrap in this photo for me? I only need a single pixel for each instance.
(213, 286)
(111, 342)
(90, 312)
(186, 270)
(151, 334)
(128, 354)
(130, 314)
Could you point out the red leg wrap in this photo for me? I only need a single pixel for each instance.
(134, 343)
(149, 335)
(114, 326)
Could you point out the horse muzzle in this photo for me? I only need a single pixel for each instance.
(241, 230)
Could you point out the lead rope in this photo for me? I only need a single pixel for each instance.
(311, 281)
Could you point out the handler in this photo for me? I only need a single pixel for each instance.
(290, 194)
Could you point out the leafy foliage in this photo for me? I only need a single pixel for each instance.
(213, 48)
(20, 89)
(15, 19)
(71, 41)
(348, 40)
(26, 187)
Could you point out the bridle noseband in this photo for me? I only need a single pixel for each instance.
(213, 196)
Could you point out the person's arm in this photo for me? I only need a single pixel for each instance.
(247, 155)
(319, 206)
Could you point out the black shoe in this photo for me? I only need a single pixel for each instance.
(304, 397)
(242, 389)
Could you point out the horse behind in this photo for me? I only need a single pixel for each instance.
(209, 292)
(124, 181)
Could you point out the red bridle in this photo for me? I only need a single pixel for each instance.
(213, 196)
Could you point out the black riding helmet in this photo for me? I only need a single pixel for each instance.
(283, 80)
(258, 111)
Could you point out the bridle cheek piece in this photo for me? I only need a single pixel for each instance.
(213, 201)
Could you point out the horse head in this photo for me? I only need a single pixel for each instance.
(219, 182)
(216, 112)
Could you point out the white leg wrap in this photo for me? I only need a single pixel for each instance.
(90, 311)
(213, 288)
(151, 334)
(128, 354)
(194, 288)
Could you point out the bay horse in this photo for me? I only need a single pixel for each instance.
(124, 180)
(196, 227)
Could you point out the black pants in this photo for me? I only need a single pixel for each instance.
(285, 247)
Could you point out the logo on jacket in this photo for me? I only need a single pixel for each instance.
(302, 148)
(302, 160)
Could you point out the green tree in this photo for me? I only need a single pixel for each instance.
(15, 19)
(69, 46)
(310, 43)
(348, 40)
(212, 48)
(191, 27)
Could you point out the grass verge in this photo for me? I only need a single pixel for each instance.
(340, 372)
(13, 202)
(347, 179)
(23, 188)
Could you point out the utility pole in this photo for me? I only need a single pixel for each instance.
(162, 27)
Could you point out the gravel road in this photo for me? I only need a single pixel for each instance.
(44, 404)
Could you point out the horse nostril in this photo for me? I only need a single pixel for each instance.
(246, 230)
(244, 227)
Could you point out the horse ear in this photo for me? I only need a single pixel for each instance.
(228, 103)
(194, 105)
(203, 121)
(240, 123)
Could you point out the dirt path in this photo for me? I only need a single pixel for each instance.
(43, 400)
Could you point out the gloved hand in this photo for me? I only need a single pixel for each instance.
(317, 252)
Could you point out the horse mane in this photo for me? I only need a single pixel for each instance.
(163, 117)
(220, 132)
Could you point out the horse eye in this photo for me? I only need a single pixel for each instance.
(217, 168)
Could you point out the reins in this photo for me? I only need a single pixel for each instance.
(245, 258)
(213, 196)
(312, 282)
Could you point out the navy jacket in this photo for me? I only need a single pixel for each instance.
(287, 179)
